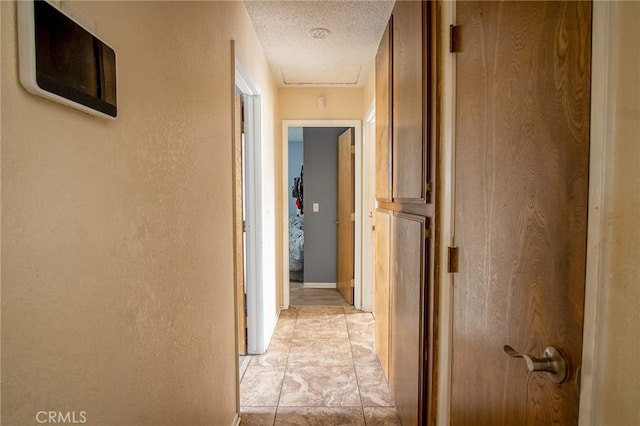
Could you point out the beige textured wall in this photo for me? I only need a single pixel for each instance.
(117, 277)
(618, 375)
(302, 103)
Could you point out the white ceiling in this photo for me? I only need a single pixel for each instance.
(344, 58)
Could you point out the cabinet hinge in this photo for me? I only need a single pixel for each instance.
(454, 38)
(244, 226)
(353, 217)
(353, 283)
(427, 233)
(353, 149)
(452, 261)
(428, 187)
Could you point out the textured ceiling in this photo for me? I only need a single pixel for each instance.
(344, 58)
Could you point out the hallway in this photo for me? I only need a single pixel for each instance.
(321, 368)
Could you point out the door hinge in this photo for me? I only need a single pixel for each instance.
(454, 38)
(353, 217)
(353, 283)
(244, 226)
(452, 261)
(353, 149)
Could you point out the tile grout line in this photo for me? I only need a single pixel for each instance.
(353, 332)
(373, 407)
(355, 372)
(286, 367)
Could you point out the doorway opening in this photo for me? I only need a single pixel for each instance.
(320, 222)
(254, 300)
(240, 240)
(311, 215)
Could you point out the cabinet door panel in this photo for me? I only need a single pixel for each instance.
(382, 277)
(409, 159)
(383, 116)
(407, 284)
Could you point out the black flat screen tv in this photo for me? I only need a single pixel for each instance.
(63, 61)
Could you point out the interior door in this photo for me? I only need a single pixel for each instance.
(346, 213)
(238, 235)
(522, 148)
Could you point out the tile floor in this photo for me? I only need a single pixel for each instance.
(300, 296)
(320, 369)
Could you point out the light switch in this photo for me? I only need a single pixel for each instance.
(316, 207)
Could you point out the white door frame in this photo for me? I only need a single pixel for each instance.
(253, 207)
(602, 125)
(357, 125)
(600, 129)
(446, 211)
(368, 207)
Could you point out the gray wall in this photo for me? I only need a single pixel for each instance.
(320, 186)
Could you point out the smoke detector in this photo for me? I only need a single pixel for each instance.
(319, 33)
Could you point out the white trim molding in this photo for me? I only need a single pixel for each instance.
(602, 128)
(446, 211)
(261, 316)
(319, 285)
(368, 199)
(236, 420)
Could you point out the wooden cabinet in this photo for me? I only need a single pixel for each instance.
(409, 106)
(382, 274)
(383, 116)
(407, 313)
(406, 208)
(403, 98)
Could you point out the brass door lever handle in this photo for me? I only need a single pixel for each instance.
(552, 362)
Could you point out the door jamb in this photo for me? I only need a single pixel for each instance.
(446, 210)
(357, 126)
(253, 206)
(602, 128)
(367, 223)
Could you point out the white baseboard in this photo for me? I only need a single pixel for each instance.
(319, 285)
(236, 420)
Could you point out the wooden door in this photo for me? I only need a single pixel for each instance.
(522, 148)
(346, 213)
(238, 234)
